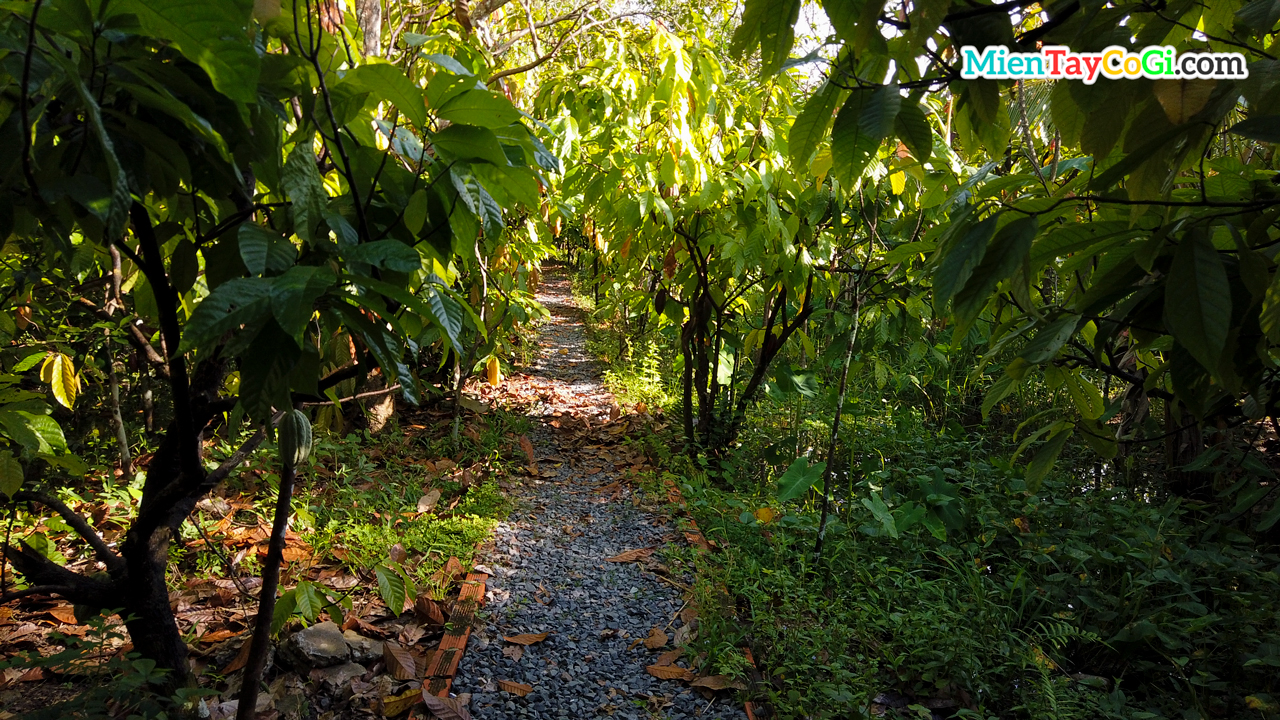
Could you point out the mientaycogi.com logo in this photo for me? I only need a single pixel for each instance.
(1157, 62)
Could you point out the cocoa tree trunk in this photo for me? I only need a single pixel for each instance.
(261, 641)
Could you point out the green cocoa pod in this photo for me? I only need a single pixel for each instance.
(295, 437)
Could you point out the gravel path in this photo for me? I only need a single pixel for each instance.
(550, 575)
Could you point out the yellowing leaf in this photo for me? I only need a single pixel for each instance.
(898, 181)
(765, 515)
(60, 372)
(1182, 98)
(393, 705)
(494, 372)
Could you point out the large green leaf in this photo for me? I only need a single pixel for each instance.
(264, 372)
(1262, 127)
(769, 24)
(851, 148)
(880, 510)
(477, 199)
(1269, 319)
(294, 293)
(1042, 462)
(912, 127)
(234, 303)
(798, 478)
(263, 249)
(464, 142)
(1197, 300)
(10, 474)
(880, 112)
(38, 434)
(389, 254)
(481, 108)
(1008, 250)
(811, 125)
(214, 34)
(387, 82)
(961, 260)
(305, 188)
(1050, 339)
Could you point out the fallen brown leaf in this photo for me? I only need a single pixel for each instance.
(445, 708)
(515, 652)
(515, 688)
(718, 682)
(399, 662)
(526, 639)
(397, 553)
(427, 502)
(657, 638)
(669, 672)
(669, 657)
(631, 555)
(64, 614)
(527, 447)
(688, 614)
(240, 660)
(429, 610)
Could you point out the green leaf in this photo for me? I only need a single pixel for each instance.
(1009, 248)
(447, 312)
(293, 296)
(391, 588)
(448, 63)
(1261, 127)
(262, 249)
(1085, 395)
(881, 512)
(37, 434)
(387, 82)
(465, 142)
(1050, 339)
(385, 346)
(476, 198)
(480, 108)
(1260, 15)
(810, 127)
(798, 478)
(912, 127)
(1269, 318)
(286, 605)
(264, 372)
(1046, 456)
(1197, 301)
(851, 148)
(880, 112)
(520, 184)
(389, 254)
(214, 34)
(961, 260)
(308, 601)
(305, 187)
(184, 266)
(770, 24)
(999, 390)
(10, 474)
(1269, 518)
(934, 525)
(234, 303)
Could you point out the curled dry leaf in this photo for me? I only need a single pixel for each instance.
(445, 708)
(527, 447)
(526, 639)
(669, 672)
(515, 688)
(515, 652)
(429, 610)
(631, 555)
(657, 638)
(399, 662)
(718, 682)
(688, 614)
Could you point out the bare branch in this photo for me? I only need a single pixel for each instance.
(113, 561)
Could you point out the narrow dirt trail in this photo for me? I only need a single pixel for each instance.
(549, 568)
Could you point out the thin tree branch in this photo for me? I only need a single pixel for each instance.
(113, 561)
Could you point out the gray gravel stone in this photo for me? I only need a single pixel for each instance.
(550, 575)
